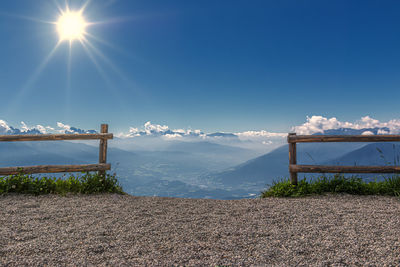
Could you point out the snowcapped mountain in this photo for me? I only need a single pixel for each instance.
(274, 165)
(39, 129)
(156, 160)
(350, 131)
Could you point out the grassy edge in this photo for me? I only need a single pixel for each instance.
(85, 183)
(92, 183)
(337, 183)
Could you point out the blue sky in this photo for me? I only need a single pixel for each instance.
(213, 65)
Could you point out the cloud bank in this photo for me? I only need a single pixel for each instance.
(149, 129)
(5, 128)
(319, 124)
(313, 125)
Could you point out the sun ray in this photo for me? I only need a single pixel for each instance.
(32, 79)
(84, 6)
(25, 18)
(114, 90)
(96, 64)
(112, 46)
(71, 26)
(69, 59)
(105, 59)
(116, 20)
(60, 10)
(38, 71)
(104, 42)
(66, 6)
(68, 86)
(111, 65)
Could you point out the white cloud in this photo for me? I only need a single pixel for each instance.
(154, 128)
(38, 128)
(313, 124)
(319, 124)
(64, 127)
(149, 129)
(67, 129)
(24, 129)
(180, 131)
(173, 136)
(160, 134)
(4, 127)
(367, 122)
(262, 133)
(134, 131)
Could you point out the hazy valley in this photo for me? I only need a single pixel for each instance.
(197, 169)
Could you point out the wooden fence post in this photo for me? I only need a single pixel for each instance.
(101, 167)
(103, 148)
(292, 159)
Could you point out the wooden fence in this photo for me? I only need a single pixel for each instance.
(294, 168)
(101, 167)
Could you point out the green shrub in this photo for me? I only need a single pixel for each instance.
(334, 184)
(87, 183)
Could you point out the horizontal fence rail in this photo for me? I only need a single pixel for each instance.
(54, 137)
(55, 168)
(101, 167)
(293, 138)
(294, 168)
(344, 169)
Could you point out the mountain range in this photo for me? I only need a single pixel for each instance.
(199, 169)
(274, 165)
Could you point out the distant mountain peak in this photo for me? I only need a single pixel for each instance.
(220, 134)
(350, 131)
(39, 129)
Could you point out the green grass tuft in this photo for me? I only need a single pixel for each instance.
(335, 184)
(87, 183)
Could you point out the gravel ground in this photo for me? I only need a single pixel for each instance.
(116, 230)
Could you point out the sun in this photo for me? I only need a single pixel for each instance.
(71, 26)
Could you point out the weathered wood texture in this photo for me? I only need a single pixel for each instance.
(294, 168)
(101, 167)
(344, 169)
(55, 168)
(103, 148)
(292, 160)
(54, 137)
(342, 138)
